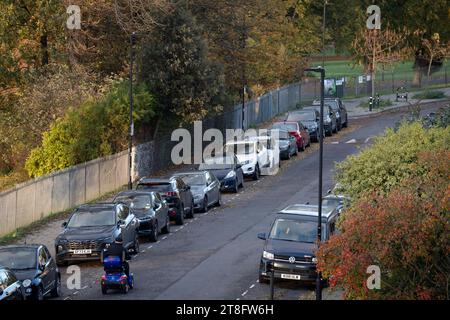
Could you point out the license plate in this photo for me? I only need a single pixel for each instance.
(290, 276)
(84, 251)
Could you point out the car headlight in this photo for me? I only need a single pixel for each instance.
(230, 174)
(26, 283)
(314, 260)
(60, 248)
(268, 255)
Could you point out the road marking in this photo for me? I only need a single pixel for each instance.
(238, 298)
(143, 251)
(252, 286)
(75, 293)
(84, 287)
(149, 247)
(158, 241)
(351, 141)
(164, 238)
(244, 293)
(67, 298)
(334, 142)
(368, 139)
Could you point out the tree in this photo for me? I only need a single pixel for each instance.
(435, 50)
(175, 66)
(374, 47)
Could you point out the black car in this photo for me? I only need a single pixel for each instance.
(150, 209)
(329, 118)
(92, 227)
(227, 169)
(290, 245)
(10, 287)
(310, 119)
(286, 143)
(342, 112)
(334, 104)
(175, 192)
(34, 266)
(205, 188)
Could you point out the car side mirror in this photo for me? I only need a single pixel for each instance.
(239, 166)
(120, 224)
(262, 236)
(64, 224)
(329, 191)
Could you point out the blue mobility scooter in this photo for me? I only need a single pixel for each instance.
(115, 277)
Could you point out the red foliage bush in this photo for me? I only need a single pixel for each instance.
(405, 233)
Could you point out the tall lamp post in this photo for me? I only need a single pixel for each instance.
(131, 128)
(325, 3)
(319, 217)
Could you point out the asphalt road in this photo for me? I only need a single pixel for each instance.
(216, 255)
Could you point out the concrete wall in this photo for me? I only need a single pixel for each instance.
(62, 190)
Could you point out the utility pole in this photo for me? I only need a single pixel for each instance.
(323, 32)
(244, 81)
(131, 128)
(319, 215)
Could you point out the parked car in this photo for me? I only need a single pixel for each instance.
(287, 143)
(92, 227)
(290, 245)
(269, 143)
(10, 287)
(205, 188)
(252, 155)
(150, 209)
(310, 119)
(329, 118)
(34, 266)
(334, 104)
(343, 112)
(297, 130)
(175, 192)
(227, 169)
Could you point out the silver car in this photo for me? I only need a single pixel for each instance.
(205, 188)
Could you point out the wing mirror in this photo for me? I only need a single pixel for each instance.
(64, 224)
(262, 236)
(120, 224)
(329, 191)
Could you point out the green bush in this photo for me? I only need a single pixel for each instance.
(97, 128)
(392, 158)
(430, 95)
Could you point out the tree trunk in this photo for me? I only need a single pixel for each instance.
(44, 49)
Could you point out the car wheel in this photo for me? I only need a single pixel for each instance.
(180, 217)
(263, 279)
(257, 173)
(236, 186)
(303, 146)
(39, 295)
(205, 204)
(166, 228)
(135, 247)
(56, 292)
(154, 235)
(288, 157)
(125, 289)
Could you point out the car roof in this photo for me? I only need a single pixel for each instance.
(307, 210)
(240, 142)
(24, 246)
(97, 206)
(134, 192)
(189, 173)
(155, 180)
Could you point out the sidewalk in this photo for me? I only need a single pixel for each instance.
(354, 111)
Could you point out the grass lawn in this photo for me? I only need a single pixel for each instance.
(345, 68)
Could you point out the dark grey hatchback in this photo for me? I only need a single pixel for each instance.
(289, 249)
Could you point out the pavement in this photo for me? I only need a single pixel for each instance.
(216, 254)
(355, 111)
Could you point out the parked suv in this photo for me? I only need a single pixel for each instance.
(290, 245)
(150, 209)
(329, 118)
(34, 266)
(252, 155)
(92, 227)
(175, 192)
(310, 119)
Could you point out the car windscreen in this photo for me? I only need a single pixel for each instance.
(194, 179)
(240, 148)
(331, 202)
(304, 116)
(135, 201)
(18, 258)
(95, 218)
(295, 230)
(285, 126)
(160, 187)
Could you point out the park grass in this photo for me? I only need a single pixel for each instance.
(430, 94)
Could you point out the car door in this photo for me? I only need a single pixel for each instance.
(159, 210)
(237, 168)
(211, 192)
(164, 207)
(122, 215)
(45, 272)
(262, 155)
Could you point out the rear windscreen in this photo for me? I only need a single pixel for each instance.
(161, 187)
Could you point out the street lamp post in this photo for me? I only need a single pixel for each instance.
(131, 128)
(323, 32)
(319, 217)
